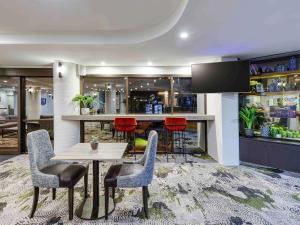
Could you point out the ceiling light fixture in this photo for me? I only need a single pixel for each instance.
(183, 35)
(103, 63)
(59, 69)
(149, 63)
(5, 81)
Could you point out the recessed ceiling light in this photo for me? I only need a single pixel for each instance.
(103, 63)
(5, 81)
(183, 35)
(150, 63)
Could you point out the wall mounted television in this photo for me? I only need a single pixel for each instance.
(221, 77)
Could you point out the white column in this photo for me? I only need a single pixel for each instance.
(223, 133)
(122, 102)
(200, 126)
(33, 104)
(110, 99)
(66, 133)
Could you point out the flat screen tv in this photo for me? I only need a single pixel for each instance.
(221, 77)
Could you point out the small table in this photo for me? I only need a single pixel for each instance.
(93, 208)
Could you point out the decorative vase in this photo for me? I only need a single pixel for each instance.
(265, 131)
(85, 111)
(94, 145)
(249, 132)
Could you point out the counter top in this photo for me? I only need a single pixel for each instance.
(140, 117)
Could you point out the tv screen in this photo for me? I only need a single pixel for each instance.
(221, 77)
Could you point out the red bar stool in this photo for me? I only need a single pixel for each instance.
(175, 127)
(126, 127)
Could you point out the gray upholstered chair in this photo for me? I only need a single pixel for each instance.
(46, 173)
(132, 175)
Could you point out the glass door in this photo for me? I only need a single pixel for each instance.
(9, 115)
(39, 105)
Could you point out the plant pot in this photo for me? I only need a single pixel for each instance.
(85, 111)
(278, 135)
(94, 146)
(249, 132)
(265, 131)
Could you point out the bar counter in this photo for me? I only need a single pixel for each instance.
(139, 117)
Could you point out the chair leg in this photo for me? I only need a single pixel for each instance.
(53, 193)
(71, 202)
(113, 192)
(184, 146)
(134, 146)
(145, 201)
(86, 178)
(106, 192)
(148, 194)
(35, 201)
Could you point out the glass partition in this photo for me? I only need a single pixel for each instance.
(149, 95)
(39, 104)
(109, 92)
(184, 100)
(9, 122)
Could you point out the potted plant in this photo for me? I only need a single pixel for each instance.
(94, 143)
(86, 103)
(248, 115)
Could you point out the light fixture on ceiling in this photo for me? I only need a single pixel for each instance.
(30, 90)
(5, 81)
(59, 69)
(103, 63)
(184, 35)
(149, 63)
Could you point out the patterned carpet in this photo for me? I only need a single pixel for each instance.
(200, 192)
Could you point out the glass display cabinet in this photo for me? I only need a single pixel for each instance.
(275, 95)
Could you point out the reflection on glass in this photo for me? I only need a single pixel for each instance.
(109, 92)
(184, 100)
(149, 95)
(8, 115)
(39, 104)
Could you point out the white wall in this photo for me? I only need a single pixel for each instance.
(66, 133)
(223, 133)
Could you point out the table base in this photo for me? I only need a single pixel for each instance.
(88, 212)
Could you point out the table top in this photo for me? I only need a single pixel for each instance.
(139, 117)
(83, 151)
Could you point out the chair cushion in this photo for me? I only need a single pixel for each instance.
(68, 174)
(119, 170)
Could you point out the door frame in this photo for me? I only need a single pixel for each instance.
(21, 74)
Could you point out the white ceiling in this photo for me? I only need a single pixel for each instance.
(132, 32)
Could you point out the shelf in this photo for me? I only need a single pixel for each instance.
(274, 93)
(275, 140)
(276, 74)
